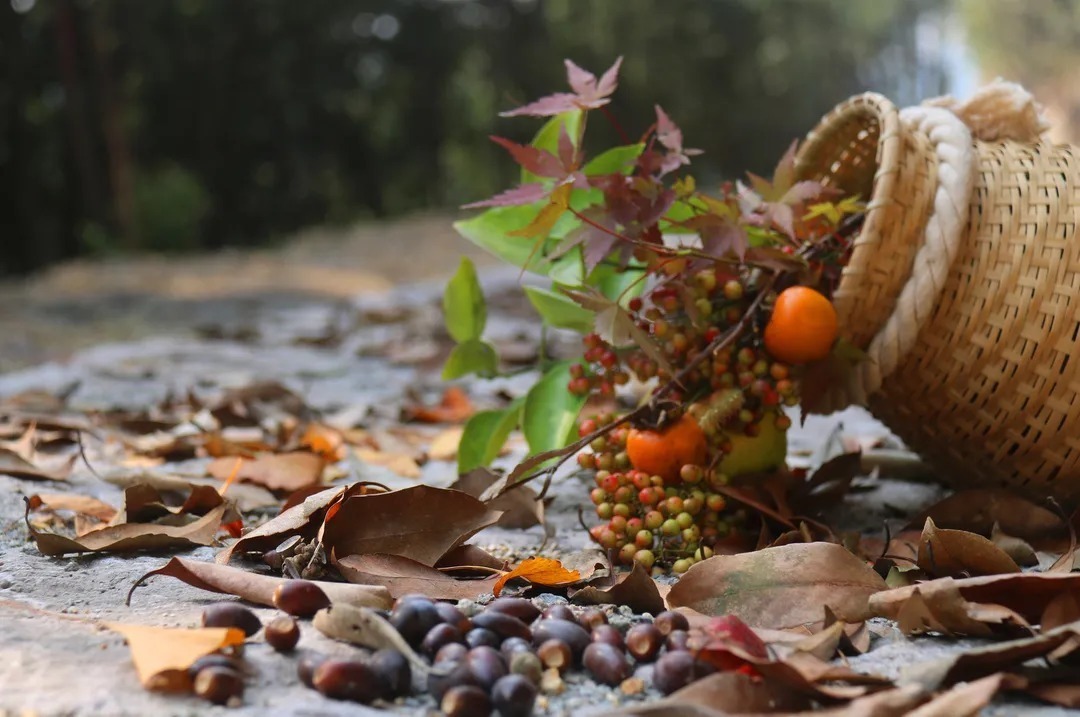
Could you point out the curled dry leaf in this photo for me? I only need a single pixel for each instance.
(635, 589)
(780, 587)
(521, 508)
(965, 700)
(162, 655)
(304, 520)
(979, 509)
(1018, 549)
(944, 552)
(402, 576)
(401, 463)
(16, 466)
(132, 536)
(257, 588)
(455, 407)
(421, 523)
(75, 503)
(722, 694)
(1025, 594)
(284, 472)
(547, 572)
(365, 627)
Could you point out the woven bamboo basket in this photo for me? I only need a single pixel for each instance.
(964, 284)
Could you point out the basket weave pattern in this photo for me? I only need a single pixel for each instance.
(986, 389)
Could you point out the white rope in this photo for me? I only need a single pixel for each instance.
(952, 142)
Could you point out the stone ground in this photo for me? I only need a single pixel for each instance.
(124, 334)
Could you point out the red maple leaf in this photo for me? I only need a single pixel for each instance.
(588, 93)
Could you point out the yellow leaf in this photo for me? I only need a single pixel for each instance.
(545, 219)
(444, 446)
(539, 571)
(162, 655)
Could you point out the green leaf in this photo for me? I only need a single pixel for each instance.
(616, 159)
(551, 411)
(463, 304)
(548, 138)
(568, 269)
(618, 285)
(471, 356)
(485, 434)
(560, 311)
(490, 231)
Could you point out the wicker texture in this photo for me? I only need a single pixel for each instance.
(862, 148)
(987, 391)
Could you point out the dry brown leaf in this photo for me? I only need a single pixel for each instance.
(363, 626)
(303, 520)
(721, 694)
(324, 441)
(982, 661)
(444, 446)
(143, 503)
(455, 407)
(521, 507)
(977, 511)
(547, 572)
(939, 607)
(401, 576)
(279, 472)
(76, 503)
(965, 700)
(1061, 610)
(132, 536)
(944, 552)
(780, 587)
(421, 523)
(636, 589)
(1026, 594)
(257, 588)
(469, 555)
(401, 463)
(16, 466)
(1018, 549)
(162, 655)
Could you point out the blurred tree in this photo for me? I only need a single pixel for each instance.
(238, 122)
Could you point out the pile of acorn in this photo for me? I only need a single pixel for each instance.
(497, 660)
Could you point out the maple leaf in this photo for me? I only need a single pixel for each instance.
(773, 203)
(545, 219)
(615, 325)
(588, 93)
(563, 168)
(719, 235)
(670, 137)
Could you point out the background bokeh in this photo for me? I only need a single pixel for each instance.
(172, 125)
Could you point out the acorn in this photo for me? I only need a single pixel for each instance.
(230, 614)
(220, 685)
(393, 672)
(282, 633)
(301, 598)
(605, 663)
(350, 680)
(514, 696)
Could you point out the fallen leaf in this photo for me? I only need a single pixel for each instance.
(444, 446)
(940, 608)
(982, 661)
(547, 572)
(324, 441)
(944, 552)
(76, 503)
(16, 466)
(1063, 692)
(965, 700)
(896, 702)
(401, 463)
(276, 471)
(144, 503)
(718, 695)
(365, 627)
(402, 576)
(469, 555)
(780, 587)
(1061, 610)
(162, 655)
(1018, 549)
(421, 523)
(455, 407)
(132, 536)
(1026, 594)
(635, 589)
(257, 588)
(304, 520)
(977, 510)
(246, 496)
(521, 507)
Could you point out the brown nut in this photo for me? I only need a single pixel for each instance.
(449, 675)
(482, 636)
(571, 633)
(515, 644)
(609, 634)
(414, 618)
(465, 701)
(678, 640)
(555, 653)
(306, 666)
(282, 633)
(520, 608)
(670, 620)
(439, 636)
(514, 696)
(644, 642)
(452, 652)
(528, 665)
(605, 663)
(215, 659)
(592, 618)
(393, 671)
(560, 611)
(230, 614)
(503, 625)
(220, 685)
(347, 680)
(301, 598)
(451, 615)
(486, 664)
(675, 670)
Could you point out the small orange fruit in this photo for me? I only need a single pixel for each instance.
(664, 453)
(803, 326)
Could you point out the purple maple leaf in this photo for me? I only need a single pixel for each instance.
(588, 93)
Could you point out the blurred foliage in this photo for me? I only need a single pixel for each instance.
(178, 124)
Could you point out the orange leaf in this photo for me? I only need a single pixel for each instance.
(455, 407)
(539, 571)
(162, 655)
(324, 441)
